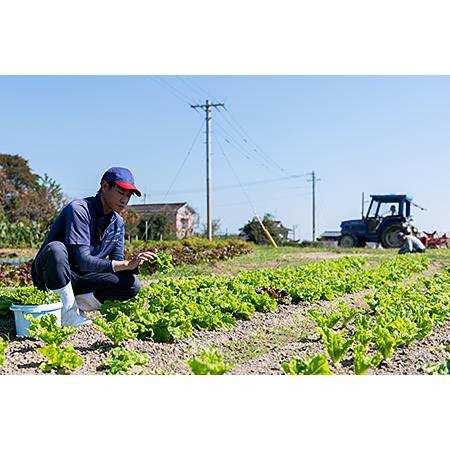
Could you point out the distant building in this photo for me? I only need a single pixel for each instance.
(180, 215)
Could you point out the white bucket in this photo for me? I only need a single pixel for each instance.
(37, 311)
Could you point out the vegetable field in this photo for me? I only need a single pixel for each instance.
(295, 313)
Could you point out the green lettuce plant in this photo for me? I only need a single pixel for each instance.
(336, 345)
(3, 347)
(162, 263)
(121, 360)
(362, 361)
(210, 362)
(29, 296)
(46, 329)
(119, 329)
(316, 365)
(59, 359)
(441, 368)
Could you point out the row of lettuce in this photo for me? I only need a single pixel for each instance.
(173, 307)
(395, 316)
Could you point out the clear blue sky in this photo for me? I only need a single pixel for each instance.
(377, 134)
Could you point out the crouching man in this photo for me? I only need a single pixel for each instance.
(82, 258)
(410, 244)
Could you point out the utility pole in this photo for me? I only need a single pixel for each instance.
(313, 180)
(207, 108)
(293, 231)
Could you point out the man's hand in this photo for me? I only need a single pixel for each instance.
(136, 261)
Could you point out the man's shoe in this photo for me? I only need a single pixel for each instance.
(87, 302)
(72, 319)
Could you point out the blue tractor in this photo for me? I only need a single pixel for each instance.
(386, 217)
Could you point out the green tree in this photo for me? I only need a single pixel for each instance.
(254, 232)
(158, 227)
(29, 202)
(17, 172)
(215, 225)
(132, 221)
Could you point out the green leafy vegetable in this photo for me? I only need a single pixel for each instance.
(3, 347)
(59, 359)
(316, 365)
(120, 329)
(362, 361)
(121, 360)
(385, 341)
(210, 362)
(442, 368)
(46, 329)
(161, 263)
(29, 296)
(336, 345)
(4, 307)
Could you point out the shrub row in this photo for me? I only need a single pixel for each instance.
(15, 274)
(192, 250)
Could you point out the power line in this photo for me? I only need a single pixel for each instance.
(260, 154)
(200, 89)
(254, 143)
(237, 128)
(237, 178)
(233, 186)
(264, 199)
(184, 162)
(190, 86)
(177, 93)
(240, 150)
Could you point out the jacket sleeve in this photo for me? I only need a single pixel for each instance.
(85, 262)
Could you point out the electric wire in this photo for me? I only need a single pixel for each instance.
(175, 92)
(251, 140)
(184, 162)
(260, 154)
(264, 200)
(238, 129)
(233, 186)
(236, 176)
(200, 89)
(239, 149)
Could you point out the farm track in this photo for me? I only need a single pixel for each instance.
(256, 346)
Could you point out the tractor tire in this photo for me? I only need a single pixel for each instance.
(347, 241)
(389, 238)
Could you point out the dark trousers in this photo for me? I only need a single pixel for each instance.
(51, 270)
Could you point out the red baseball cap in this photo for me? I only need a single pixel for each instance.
(122, 177)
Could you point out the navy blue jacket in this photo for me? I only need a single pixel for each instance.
(90, 236)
